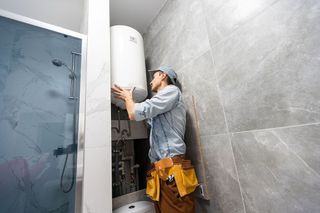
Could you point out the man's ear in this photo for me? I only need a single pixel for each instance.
(163, 76)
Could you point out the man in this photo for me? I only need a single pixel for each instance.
(172, 177)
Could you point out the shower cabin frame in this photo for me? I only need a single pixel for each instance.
(81, 123)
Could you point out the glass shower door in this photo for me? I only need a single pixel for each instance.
(39, 116)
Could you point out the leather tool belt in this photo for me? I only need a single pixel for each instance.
(178, 167)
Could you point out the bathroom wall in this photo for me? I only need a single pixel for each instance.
(97, 185)
(251, 68)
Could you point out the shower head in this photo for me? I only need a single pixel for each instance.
(57, 62)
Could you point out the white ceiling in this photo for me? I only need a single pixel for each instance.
(137, 14)
(63, 13)
(69, 13)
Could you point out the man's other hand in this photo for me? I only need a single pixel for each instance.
(121, 93)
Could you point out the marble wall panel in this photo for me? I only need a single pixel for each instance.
(198, 81)
(97, 183)
(268, 70)
(222, 179)
(224, 17)
(177, 35)
(273, 177)
(304, 141)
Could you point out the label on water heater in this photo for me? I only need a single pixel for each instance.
(133, 39)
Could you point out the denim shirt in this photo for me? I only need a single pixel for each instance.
(166, 115)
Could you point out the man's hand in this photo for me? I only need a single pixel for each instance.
(121, 93)
(126, 96)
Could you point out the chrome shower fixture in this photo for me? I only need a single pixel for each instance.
(59, 63)
(72, 76)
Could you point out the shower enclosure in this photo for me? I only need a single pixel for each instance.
(41, 119)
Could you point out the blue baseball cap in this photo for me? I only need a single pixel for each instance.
(169, 71)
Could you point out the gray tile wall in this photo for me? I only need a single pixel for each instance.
(252, 69)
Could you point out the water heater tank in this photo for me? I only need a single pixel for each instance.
(128, 63)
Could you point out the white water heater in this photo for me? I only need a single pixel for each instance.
(128, 63)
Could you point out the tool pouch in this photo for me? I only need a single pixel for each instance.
(183, 173)
(185, 177)
(153, 185)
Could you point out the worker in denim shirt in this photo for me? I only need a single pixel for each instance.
(166, 115)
